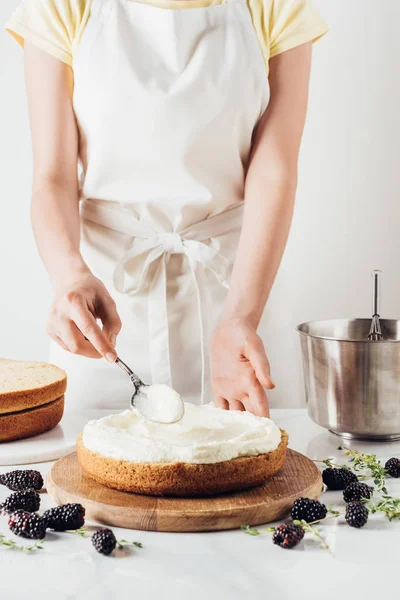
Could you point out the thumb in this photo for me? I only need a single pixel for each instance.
(255, 353)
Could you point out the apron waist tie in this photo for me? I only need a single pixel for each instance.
(152, 249)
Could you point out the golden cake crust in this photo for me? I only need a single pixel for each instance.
(37, 393)
(182, 479)
(31, 422)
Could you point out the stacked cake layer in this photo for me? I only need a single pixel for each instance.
(31, 398)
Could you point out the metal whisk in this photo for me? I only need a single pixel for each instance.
(375, 333)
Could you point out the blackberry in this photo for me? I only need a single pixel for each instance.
(393, 467)
(104, 541)
(305, 509)
(18, 481)
(288, 535)
(338, 479)
(65, 517)
(27, 525)
(356, 514)
(357, 491)
(28, 500)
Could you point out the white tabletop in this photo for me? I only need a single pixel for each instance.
(217, 566)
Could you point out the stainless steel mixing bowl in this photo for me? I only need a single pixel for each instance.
(353, 384)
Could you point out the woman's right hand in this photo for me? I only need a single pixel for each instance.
(73, 317)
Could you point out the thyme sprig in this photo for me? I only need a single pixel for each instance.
(310, 528)
(333, 511)
(38, 545)
(388, 506)
(330, 464)
(371, 464)
(122, 543)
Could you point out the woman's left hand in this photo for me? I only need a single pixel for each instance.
(240, 368)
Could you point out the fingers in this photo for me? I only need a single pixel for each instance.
(255, 353)
(226, 397)
(222, 403)
(236, 405)
(88, 326)
(106, 310)
(74, 340)
(251, 393)
(258, 402)
(231, 405)
(72, 324)
(58, 340)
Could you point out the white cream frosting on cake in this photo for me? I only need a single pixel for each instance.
(206, 434)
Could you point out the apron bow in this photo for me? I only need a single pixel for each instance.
(144, 265)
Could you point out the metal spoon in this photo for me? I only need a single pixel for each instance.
(146, 405)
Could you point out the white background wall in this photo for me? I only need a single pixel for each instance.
(347, 216)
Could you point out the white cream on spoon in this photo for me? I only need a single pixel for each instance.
(157, 402)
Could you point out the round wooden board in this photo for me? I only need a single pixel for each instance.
(67, 482)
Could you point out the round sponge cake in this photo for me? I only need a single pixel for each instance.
(31, 422)
(31, 398)
(29, 384)
(180, 478)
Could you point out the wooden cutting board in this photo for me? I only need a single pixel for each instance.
(272, 501)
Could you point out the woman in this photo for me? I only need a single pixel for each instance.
(165, 137)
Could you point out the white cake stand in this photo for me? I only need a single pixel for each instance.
(51, 445)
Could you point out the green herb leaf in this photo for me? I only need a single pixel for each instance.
(120, 543)
(250, 530)
(82, 532)
(333, 511)
(12, 544)
(310, 528)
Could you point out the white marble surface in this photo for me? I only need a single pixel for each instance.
(227, 565)
(51, 445)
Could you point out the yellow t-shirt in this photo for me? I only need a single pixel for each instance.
(56, 26)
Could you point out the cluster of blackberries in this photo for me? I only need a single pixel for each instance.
(289, 535)
(22, 505)
(24, 521)
(354, 494)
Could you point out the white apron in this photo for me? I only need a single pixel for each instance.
(166, 102)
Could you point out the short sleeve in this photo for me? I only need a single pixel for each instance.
(54, 26)
(292, 23)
